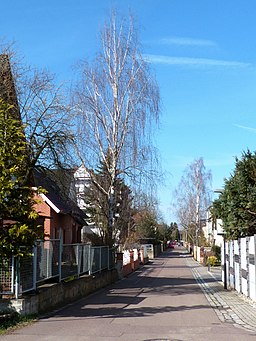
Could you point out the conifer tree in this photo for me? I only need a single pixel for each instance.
(18, 228)
(236, 205)
(98, 206)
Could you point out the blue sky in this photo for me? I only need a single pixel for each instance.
(203, 53)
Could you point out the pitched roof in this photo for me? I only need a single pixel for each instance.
(56, 197)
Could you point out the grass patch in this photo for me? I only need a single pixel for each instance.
(11, 321)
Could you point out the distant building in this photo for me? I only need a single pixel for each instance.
(82, 181)
(212, 230)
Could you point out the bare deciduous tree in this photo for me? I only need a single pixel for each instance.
(42, 108)
(192, 197)
(117, 104)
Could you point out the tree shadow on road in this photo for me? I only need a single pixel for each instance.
(125, 297)
(89, 311)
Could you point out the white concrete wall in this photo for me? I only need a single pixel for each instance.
(241, 265)
(252, 267)
(148, 250)
(231, 265)
(126, 257)
(243, 271)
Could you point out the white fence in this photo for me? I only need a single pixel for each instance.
(240, 263)
(126, 257)
(135, 254)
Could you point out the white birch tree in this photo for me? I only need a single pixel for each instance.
(117, 106)
(192, 198)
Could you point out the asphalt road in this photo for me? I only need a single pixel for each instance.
(161, 301)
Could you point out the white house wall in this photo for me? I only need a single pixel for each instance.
(231, 265)
(237, 265)
(241, 265)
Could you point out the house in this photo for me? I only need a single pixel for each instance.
(213, 230)
(62, 208)
(82, 182)
(59, 214)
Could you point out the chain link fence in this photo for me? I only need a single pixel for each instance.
(7, 276)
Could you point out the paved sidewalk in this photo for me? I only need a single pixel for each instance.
(229, 305)
(215, 271)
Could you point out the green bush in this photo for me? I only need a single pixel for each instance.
(212, 261)
(217, 252)
(11, 320)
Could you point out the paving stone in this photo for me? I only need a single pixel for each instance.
(230, 306)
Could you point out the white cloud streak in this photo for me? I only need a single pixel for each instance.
(221, 161)
(246, 128)
(187, 42)
(194, 62)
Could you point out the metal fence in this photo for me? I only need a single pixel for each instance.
(7, 276)
(51, 259)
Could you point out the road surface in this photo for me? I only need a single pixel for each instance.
(161, 301)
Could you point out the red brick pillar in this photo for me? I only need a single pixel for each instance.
(119, 263)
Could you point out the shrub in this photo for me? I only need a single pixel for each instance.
(12, 320)
(212, 261)
(217, 251)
